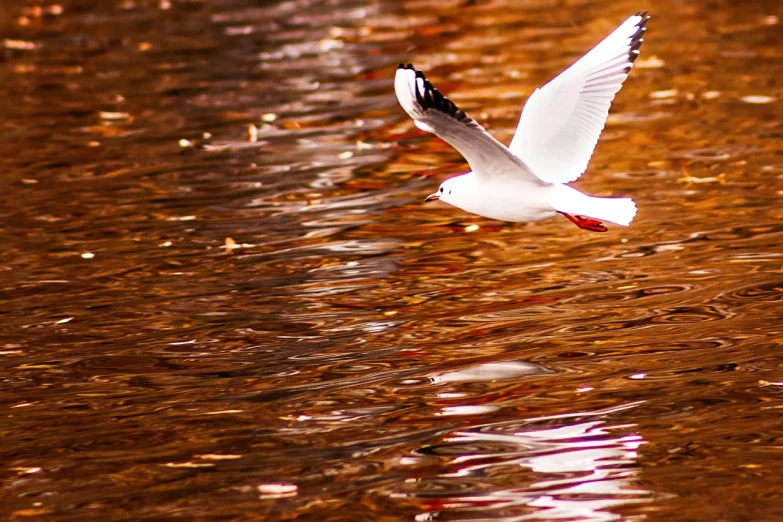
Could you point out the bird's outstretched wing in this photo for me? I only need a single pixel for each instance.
(562, 120)
(433, 112)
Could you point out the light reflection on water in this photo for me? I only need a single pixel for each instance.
(580, 471)
(352, 353)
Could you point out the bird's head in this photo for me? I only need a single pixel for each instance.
(441, 194)
(453, 190)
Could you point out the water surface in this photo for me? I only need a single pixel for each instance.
(223, 298)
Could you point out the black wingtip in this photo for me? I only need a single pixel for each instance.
(638, 36)
(430, 98)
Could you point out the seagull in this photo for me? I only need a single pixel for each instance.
(556, 135)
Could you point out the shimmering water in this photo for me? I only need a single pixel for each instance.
(223, 298)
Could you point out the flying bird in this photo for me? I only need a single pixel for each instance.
(556, 135)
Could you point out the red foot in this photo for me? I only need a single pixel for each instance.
(586, 223)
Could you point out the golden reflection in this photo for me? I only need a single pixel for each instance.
(363, 356)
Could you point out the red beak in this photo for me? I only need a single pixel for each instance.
(432, 197)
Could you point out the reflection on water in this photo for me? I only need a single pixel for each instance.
(224, 299)
(506, 370)
(566, 467)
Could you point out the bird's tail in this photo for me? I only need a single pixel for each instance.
(620, 211)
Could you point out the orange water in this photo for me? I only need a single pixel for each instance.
(350, 353)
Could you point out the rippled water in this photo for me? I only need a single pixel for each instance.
(223, 298)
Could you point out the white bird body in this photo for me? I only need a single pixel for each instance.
(557, 132)
(512, 198)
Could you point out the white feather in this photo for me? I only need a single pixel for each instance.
(433, 112)
(620, 211)
(561, 122)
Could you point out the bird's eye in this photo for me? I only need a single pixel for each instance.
(441, 190)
